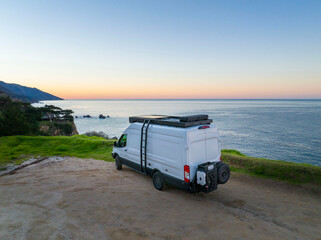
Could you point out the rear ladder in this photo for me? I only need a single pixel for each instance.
(143, 145)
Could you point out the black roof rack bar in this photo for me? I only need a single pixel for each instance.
(174, 121)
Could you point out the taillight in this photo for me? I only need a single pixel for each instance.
(221, 158)
(186, 173)
(203, 127)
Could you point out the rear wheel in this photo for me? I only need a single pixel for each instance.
(158, 181)
(118, 163)
(223, 173)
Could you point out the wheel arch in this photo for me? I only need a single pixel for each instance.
(155, 170)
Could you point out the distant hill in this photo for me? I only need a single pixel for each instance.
(25, 94)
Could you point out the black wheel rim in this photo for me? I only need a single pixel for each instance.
(158, 182)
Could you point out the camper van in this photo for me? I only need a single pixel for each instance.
(179, 151)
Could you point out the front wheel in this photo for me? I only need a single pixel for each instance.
(158, 181)
(118, 163)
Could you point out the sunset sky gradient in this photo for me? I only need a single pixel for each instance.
(163, 49)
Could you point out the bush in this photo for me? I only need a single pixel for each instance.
(281, 170)
(21, 148)
(65, 128)
(56, 128)
(96, 134)
(17, 118)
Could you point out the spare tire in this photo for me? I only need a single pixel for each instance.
(223, 173)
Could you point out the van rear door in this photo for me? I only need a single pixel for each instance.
(212, 145)
(203, 145)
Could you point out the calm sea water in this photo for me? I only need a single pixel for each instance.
(288, 130)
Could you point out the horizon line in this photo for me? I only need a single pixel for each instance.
(309, 99)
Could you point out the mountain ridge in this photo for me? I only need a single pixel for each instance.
(25, 94)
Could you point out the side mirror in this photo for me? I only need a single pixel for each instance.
(115, 144)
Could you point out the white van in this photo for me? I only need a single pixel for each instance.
(180, 151)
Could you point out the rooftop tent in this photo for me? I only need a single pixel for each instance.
(174, 121)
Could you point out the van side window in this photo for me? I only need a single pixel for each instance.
(122, 141)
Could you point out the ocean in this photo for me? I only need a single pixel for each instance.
(288, 130)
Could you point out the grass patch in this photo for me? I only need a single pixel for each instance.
(14, 147)
(234, 152)
(298, 173)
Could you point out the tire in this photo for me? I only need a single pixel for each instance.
(223, 173)
(158, 181)
(118, 163)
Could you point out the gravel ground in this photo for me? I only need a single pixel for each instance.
(74, 198)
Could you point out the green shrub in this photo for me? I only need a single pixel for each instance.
(66, 128)
(281, 170)
(232, 151)
(13, 147)
(97, 134)
(17, 118)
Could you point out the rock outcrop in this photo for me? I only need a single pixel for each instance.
(58, 129)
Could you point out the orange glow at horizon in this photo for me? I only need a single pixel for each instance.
(202, 86)
(190, 92)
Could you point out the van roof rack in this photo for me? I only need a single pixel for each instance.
(174, 121)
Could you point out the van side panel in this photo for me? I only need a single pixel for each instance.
(165, 154)
(165, 149)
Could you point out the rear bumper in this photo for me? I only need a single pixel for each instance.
(192, 187)
(177, 182)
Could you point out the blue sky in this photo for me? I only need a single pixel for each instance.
(163, 49)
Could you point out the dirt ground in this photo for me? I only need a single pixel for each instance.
(89, 199)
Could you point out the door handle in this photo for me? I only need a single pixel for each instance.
(125, 150)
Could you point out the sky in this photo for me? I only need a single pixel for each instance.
(163, 49)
